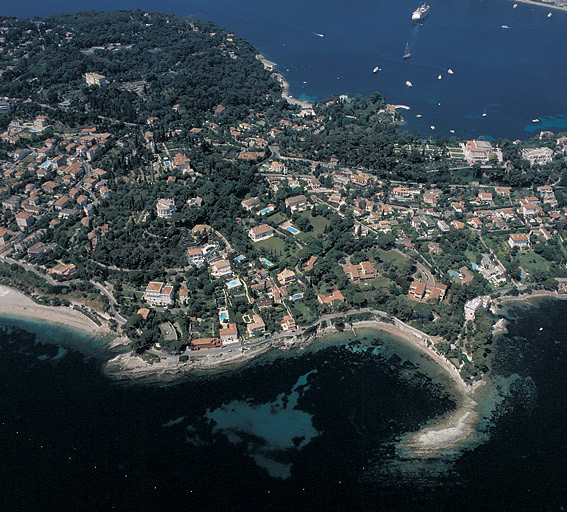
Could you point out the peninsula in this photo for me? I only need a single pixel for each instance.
(158, 178)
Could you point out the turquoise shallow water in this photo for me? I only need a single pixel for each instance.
(311, 430)
(513, 75)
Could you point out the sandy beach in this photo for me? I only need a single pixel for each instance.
(444, 433)
(421, 346)
(15, 303)
(288, 97)
(450, 432)
(271, 66)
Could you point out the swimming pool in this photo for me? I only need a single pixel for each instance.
(453, 273)
(266, 262)
(238, 259)
(474, 266)
(266, 210)
(297, 296)
(224, 317)
(293, 230)
(233, 284)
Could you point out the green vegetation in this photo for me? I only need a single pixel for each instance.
(187, 113)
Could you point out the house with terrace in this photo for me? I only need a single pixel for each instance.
(286, 276)
(158, 294)
(296, 203)
(361, 272)
(229, 335)
(221, 268)
(256, 325)
(519, 240)
(421, 292)
(261, 232)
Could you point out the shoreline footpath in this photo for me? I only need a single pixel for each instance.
(443, 436)
(129, 366)
(15, 304)
(450, 432)
(537, 294)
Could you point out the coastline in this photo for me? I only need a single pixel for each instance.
(538, 294)
(542, 4)
(15, 304)
(450, 432)
(421, 346)
(271, 66)
(442, 437)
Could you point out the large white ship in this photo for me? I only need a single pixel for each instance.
(420, 13)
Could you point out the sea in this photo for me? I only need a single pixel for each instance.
(319, 428)
(308, 430)
(508, 63)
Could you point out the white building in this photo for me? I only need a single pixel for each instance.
(195, 256)
(95, 79)
(221, 268)
(472, 305)
(480, 151)
(520, 240)
(229, 335)
(261, 232)
(538, 156)
(165, 208)
(158, 294)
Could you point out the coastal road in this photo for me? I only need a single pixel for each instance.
(112, 301)
(426, 275)
(33, 270)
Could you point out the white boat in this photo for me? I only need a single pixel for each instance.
(535, 120)
(450, 71)
(439, 77)
(376, 69)
(409, 84)
(484, 113)
(505, 26)
(549, 15)
(452, 131)
(432, 127)
(420, 13)
(407, 53)
(418, 115)
(514, 6)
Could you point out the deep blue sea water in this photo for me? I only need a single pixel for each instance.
(513, 75)
(315, 429)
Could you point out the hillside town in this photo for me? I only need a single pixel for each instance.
(129, 222)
